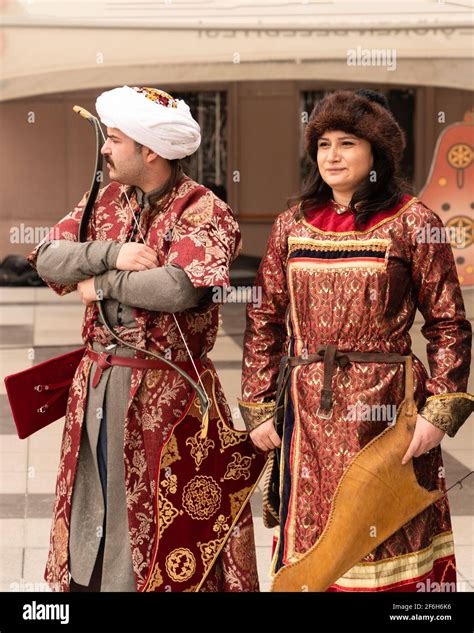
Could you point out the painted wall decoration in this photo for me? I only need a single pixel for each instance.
(449, 191)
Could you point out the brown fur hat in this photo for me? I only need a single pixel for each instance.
(364, 113)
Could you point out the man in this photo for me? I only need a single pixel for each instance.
(156, 296)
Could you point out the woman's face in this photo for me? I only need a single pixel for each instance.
(344, 160)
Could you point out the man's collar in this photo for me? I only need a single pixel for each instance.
(143, 198)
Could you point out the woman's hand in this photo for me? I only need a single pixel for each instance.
(134, 256)
(265, 437)
(425, 437)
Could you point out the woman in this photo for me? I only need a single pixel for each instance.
(345, 270)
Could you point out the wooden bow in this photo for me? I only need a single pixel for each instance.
(82, 237)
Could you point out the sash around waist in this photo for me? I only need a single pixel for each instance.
(330, 356)
(106, 359)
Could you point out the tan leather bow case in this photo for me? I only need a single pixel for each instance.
(375, 497)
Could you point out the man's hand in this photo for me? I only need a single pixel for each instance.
(425, 437)
(86, 290)
(265, 437)
(134, 256)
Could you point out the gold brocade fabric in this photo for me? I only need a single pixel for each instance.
(360, 291)
(448, 411)
(255, 414)
(197, 232)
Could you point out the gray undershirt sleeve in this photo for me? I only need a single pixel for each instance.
(163, 289)
(66, 262)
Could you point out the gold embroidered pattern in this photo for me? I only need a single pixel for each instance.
(238, 498)
(200, 212)
(294, 243)
(170, 453)
(221, 524)
(199, 448)
(198, 323)
(239, 467)
(180, 564)
(156, 579)
(170, 484)
(201, 497)
(309, 266)
(60, 541)
(310, 254)
(448, 411)
(209, 551)
(255, 413)
(167, 513)
(227, 437)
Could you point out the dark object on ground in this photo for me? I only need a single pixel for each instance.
(243, 270)
(15, 270)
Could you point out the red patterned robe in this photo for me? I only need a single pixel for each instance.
(196, 231)
(323, 282)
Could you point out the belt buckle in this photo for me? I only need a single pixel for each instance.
(325, 416)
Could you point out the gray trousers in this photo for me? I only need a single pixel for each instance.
(99, 518)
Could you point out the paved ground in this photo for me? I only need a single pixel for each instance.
(36, 319)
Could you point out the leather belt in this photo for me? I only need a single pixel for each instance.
(331, 356)
(105, 360)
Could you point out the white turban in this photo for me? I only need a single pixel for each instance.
(151, 117)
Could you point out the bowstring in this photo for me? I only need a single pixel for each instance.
(459, 482)
(189, 354)
(137, 224)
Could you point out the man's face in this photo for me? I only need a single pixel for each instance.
(124, 161)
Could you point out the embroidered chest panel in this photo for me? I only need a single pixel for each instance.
(333, 256)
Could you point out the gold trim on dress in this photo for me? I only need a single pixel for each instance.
(256, 413)
(448, 411)
(331, 245)
(401, 568)
(368, 263)
(337, 267)
(376, 226)
(290, 525)
(460, 394)
(269, 515)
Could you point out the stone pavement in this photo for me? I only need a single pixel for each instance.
(36, 318)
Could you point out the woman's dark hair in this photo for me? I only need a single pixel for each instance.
(384, 193)
(382, 188)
